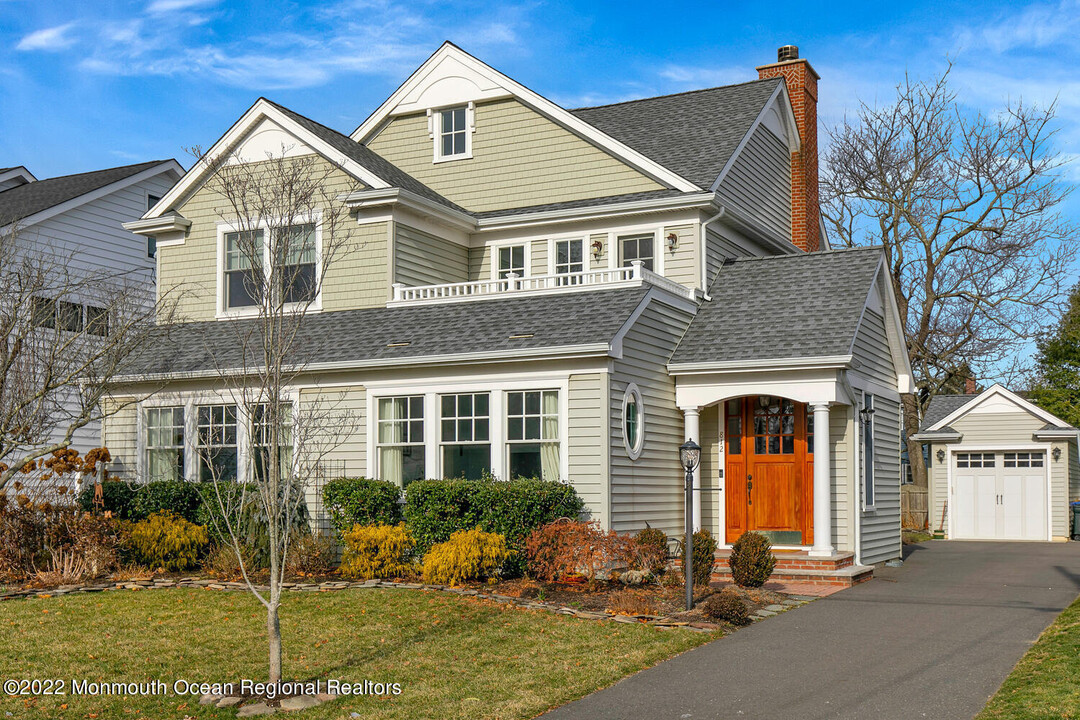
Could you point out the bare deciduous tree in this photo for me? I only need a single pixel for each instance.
(68, 328)
(287, 230)
(967, 209)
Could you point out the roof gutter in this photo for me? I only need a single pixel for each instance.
(826, 362)
(634, 207)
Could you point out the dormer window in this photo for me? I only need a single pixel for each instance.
(452, 129)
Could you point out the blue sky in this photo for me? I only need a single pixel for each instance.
(86, 85)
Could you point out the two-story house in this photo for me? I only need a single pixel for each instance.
(78, 220)
(569, 294)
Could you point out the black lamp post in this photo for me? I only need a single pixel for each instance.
(689, 456)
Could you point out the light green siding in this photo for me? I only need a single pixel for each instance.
(681, 265)
(759, 182)
(649, 489)
(520, 158)
(709, 474)
(841, 430)
(587, 443)
(881, 526)
(872, 350)
(423, 259)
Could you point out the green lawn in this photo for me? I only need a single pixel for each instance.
(454, 657)
(1044, 684)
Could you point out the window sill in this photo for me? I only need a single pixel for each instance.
(451, 158)
(252, 312)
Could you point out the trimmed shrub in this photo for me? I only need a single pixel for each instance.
(435, 509)
(167, 540)
(751, 560)
(566, 547)
(651, 550)
(177, 497)
(246, 509)
(467, 555)
(118, 497)
(704, 556)
(726, 605)
(361, 501)
(377, 551)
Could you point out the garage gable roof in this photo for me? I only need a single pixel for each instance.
(947, 409)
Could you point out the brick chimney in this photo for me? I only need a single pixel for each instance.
(970, 388)
(802, 89)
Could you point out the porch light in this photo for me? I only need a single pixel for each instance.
(1056, 454)
(597, 249)
(866, 413)
(672, 241)
(689, 456)
(941, 456)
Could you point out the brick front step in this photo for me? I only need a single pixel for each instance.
(844, 576)
(799, 560)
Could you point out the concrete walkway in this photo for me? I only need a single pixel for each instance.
(933, 639)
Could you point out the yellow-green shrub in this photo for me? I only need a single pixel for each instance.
(467, 555)
(377, 551)
(167, 540)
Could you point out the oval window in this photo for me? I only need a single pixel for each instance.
(633, 421)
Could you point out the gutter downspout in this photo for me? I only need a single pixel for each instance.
(704, 253)
(857, 504)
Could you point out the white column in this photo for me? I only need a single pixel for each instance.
(692, 426)
(823, 546)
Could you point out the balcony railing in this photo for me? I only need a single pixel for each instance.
(634, 275)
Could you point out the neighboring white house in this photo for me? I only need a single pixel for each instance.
(1000, 468)
(80, 217)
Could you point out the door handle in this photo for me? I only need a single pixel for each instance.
(749, 489)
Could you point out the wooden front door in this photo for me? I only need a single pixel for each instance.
(768, 448)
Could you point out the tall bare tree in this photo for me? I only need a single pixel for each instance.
(967, 207)
(287, 230)
(68, 328)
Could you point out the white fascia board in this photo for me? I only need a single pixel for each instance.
(537, 102)
(153, 226)
(939, 437)
(1057, 434)
(790, 127)
(167, 166)
(595, 212)
(838, 362)
(261, 109)
(998, 390)
(15, 172)
(563, 352)
(385, 197)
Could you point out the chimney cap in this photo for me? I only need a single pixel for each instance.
(787, 52)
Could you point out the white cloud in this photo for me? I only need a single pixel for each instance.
(48, 39)
(158, 7)
(702, 77)
(1036, 26)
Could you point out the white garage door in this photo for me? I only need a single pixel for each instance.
(999, 496)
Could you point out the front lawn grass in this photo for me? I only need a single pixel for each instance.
(1044, 683)
(454, 657)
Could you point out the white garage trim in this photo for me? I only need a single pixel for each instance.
(1045, 448)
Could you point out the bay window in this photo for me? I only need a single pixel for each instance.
(401, 439)
(465, 435)
(217, 446)
(165, 443)
(532, 434)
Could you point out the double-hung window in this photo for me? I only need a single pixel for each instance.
(165, 443)
(262, 440)
(465, 435)
(532, 434)
(217, 447)
(97, 320)
(243, 268)
(453, 134)
(43, 312)
(511, 260)
(298, 280)
(401, 439)
(569, 260)
(868, 451)
(69, 316)
(637, 247)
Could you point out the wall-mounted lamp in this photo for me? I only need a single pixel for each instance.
(672, 241)
(866, 413)
(1056, 454)
(941, 456)
(597, 249)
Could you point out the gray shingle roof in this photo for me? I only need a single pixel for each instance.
(22, 201)
(692, 133)
(782, 307)
(942, 406)
(345, 336)
(367, 157)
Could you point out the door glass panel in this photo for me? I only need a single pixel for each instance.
(774, 426)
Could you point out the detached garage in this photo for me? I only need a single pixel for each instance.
(1000, 468)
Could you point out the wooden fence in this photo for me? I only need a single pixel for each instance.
(914, 508)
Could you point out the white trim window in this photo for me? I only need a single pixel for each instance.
(165, 443)
(512, 259)
(465, 435)
(975, 460)
(532, 434)
(868, 452)
(453, 132)
(400, 439)
(243, 279)
(570, 260)
(633, 421)
(297, 272)
(641, 247)
(1023, 460)
(217, 447)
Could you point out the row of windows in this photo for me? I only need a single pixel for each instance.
(570, 255)
(1011, 460)
(69, 316)
(464, 436)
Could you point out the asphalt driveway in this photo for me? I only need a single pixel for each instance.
(933, 639)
